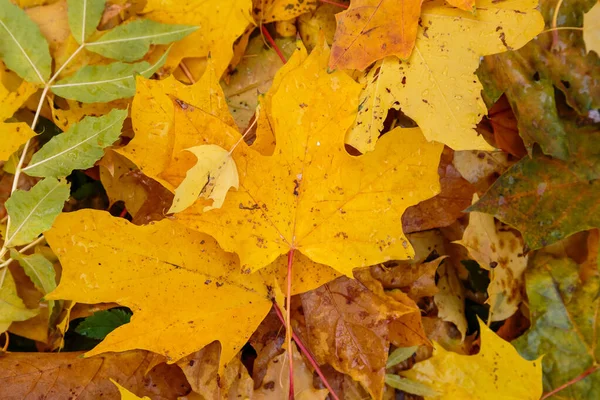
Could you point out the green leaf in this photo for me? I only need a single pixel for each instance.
(12, 307)
(545, 199)
(564, 315)
(102, 323)
(22, 46)
(130, 42)
(104, 83)
(399, 355)
(409, 386)
(84, 17)
(38, 269)
(79, 147)
(33, 212)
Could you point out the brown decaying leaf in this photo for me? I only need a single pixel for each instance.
(506, 131)
(447, 206)
(68, 375)
(348, 324)
(201, 368)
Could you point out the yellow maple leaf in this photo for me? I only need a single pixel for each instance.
(158, 149)
(221, 23)
(497, 371)
(265, 11)
(591, 29)
(370, 30)
(311, 195)
(180, 285)
(437, 86)
(502, 253)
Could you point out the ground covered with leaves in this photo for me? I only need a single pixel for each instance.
(271, 199)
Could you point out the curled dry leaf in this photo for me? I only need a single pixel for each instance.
(416, 280)
(275, 384)
(447, 206)
(348, 323)
(47, 375)
(500, 251)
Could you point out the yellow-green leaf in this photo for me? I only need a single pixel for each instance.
(496, 370)
(84, 17)
(12, 307)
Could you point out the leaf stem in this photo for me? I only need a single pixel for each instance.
(573, 381)
(304, 350)
(335, 3)
(288, 320)
(267, 35)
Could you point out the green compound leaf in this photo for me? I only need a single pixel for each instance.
(129, 42)
(22, 46)
(104, 83)
(564, 321)
(78, 148)
(32, 213)
(102, 323)
(84, 17)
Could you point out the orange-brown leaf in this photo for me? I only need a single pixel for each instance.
(373, 29)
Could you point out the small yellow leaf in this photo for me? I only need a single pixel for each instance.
(502, 253)
(591, 29)
(126, 394)
(13, 93)
(211, 177)
(497, 372)
(450, 299)
(13, 135)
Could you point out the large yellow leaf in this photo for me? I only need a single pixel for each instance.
(157, 148)
(500, 251)
(497, 372)
(180, 285)
(437, 86)
(370, 30)
(311, 195)
(220, 24)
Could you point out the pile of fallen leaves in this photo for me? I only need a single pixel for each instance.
(269, 199)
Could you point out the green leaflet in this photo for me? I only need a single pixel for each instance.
(545, 199)
(409, 386)
(40, 271)
(84, 17)
(78, 148)
(104, 83)
(12, 307)
(399, 355)
(129, 42)
(102, 323)
(22, 46)
(564, 314)
(33, 212)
